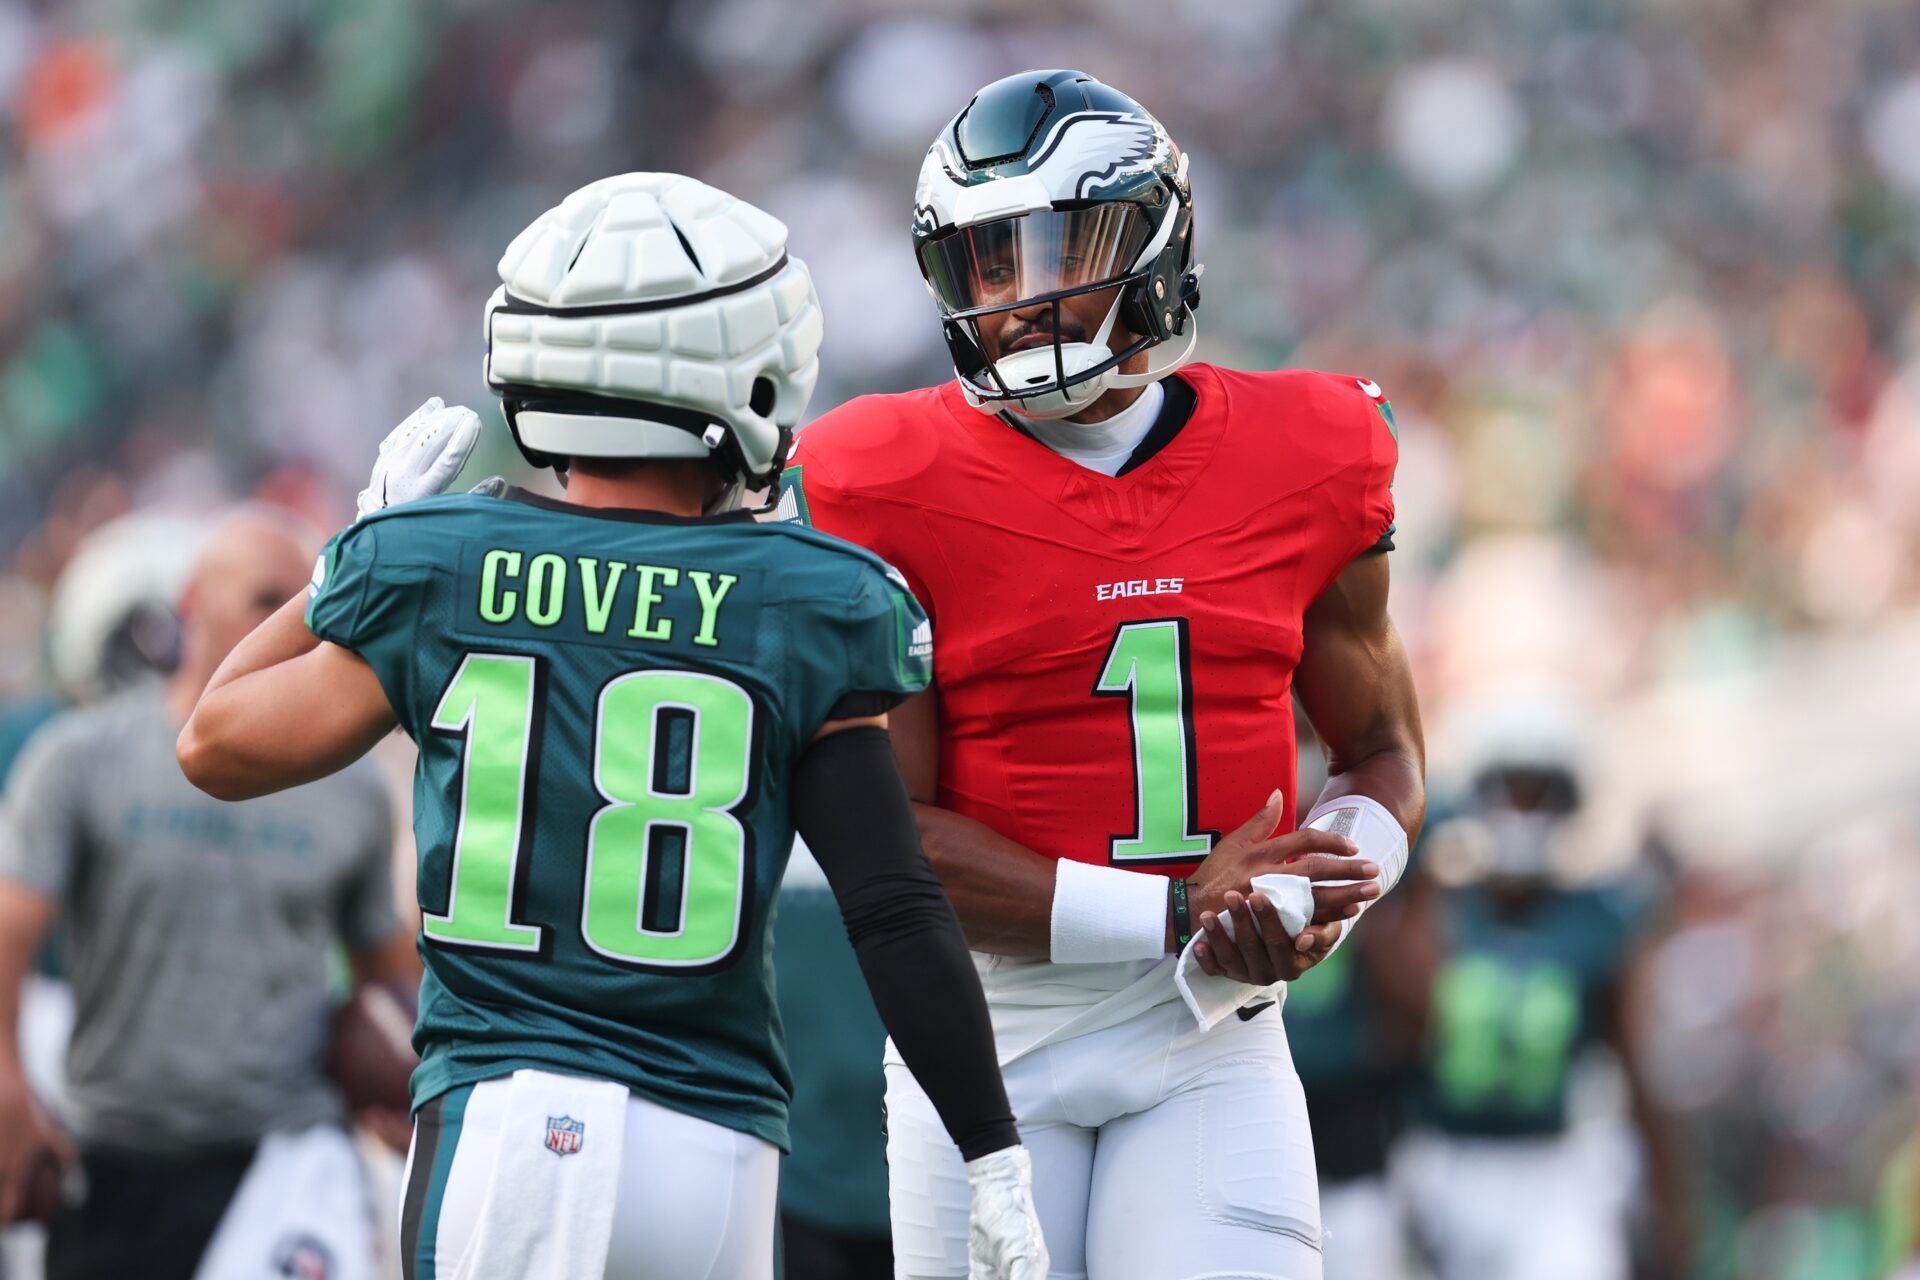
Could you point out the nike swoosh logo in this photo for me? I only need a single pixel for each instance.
(1371, 388)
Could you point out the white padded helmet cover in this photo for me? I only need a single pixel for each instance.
(666, 326)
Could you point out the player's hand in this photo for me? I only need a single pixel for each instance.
(1263, 952)
(421, 456)
(1259, 951)
(1253, 850)
(32, 1151)
(1003, 1237)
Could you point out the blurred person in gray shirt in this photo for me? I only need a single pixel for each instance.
(199, 938)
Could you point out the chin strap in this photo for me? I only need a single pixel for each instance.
(1153, 372)
(1081, 394)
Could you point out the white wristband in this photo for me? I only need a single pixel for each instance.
(1366, 822)
(1103, 914)
(1378, 834)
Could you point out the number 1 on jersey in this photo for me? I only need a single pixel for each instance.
(1148, 663)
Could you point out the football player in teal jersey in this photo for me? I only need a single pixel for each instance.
(1532, 974)
(626, 704)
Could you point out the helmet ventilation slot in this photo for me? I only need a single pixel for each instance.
(762, 399)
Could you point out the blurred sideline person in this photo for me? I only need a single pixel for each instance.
(626, 703)
(833, 1186)
(198, 938)
(112, 622)
(1131, 561)
(1531, 977)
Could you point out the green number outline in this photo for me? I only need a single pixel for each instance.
(524, 814)
(734, 809)
(1199, 842)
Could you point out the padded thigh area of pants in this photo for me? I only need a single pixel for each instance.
(1214, 1181)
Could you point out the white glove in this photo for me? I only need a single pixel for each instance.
(421, 456)
(1003, 1237)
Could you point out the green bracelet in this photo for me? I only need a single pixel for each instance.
(1182, 921)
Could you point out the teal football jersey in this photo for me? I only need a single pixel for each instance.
(1517, 1001)
(609, 707)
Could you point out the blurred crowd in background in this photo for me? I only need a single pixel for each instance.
(1639, 276)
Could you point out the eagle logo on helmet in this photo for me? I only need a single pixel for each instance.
(1082, 154)
(1089, 150)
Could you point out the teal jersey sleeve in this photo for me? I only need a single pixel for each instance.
(361, 599)
(346, 604)
(889, 645)
(340, 578)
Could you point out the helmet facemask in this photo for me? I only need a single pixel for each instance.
(1045, 258)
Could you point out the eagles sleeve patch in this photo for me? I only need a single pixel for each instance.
(915, 632)
(792, 507)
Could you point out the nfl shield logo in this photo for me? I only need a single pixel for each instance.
(564, 1135)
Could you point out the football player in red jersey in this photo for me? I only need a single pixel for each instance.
(1133, 572)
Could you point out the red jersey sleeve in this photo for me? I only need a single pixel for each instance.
(1380, 454)
(1344, 437)
(1352, 437)
(812, 492)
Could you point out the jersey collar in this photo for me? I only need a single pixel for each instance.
(1177, 403)
(1126, 507)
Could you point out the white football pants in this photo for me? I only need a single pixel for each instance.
(694, 1200)
(1159, 1153)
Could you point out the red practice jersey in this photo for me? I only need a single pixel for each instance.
(1113, 656)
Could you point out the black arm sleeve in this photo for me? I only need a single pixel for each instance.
(852, 808)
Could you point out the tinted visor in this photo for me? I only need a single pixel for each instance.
(1009, 261)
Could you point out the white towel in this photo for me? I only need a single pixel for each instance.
(550, 1199)
(1211, 999)
(301, 1210)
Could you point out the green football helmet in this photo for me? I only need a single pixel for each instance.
(1049, 185)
